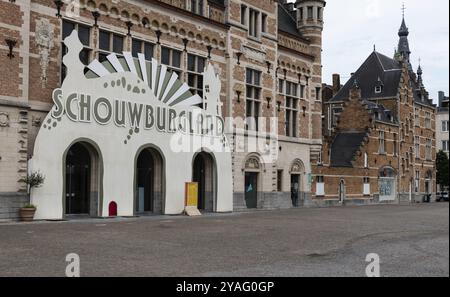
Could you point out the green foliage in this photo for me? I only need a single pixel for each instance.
(29, 206)
(34, 180)
(442, 169)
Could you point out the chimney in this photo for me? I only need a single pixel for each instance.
(441, 97)
(336, 83)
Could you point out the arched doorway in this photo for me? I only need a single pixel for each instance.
(82, 175)
(204, 174)
(297, 169)
(149, 182)
(341, 191)
(387, 184)
(252, 170)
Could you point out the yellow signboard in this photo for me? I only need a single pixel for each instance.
(191, 193)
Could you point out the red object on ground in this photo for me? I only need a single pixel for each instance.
(112, 209)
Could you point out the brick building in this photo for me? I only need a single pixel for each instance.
(266, 53)
(379, 133)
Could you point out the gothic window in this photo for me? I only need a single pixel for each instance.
(382, 145)
(253, 23)
(291, 108)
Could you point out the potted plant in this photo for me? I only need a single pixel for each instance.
(33, 180)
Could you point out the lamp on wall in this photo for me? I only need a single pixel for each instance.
(11, 44)
(238, 93)
(268, 99)
(209, 48)
(279, 106)
(304, 110)
(238, 56)
(96, 15)
(158, 36)
(185, 43)
(129, 26)
(59, 4)
(268, 67)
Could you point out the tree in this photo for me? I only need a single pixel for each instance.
(442, 169)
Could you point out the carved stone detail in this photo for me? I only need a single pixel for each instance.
(252, 163)
(44, 40)
(253, 54)
(4, 119)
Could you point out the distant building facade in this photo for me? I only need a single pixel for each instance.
(442, 123)
(379, 134)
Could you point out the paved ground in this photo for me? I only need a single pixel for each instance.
(410, 240)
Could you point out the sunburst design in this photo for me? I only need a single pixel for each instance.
(165, 84)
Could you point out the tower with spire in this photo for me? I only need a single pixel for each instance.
(403, 43)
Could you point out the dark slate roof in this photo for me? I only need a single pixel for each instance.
(344, 147)
(376, 66)
(382, 114)
(286, 22)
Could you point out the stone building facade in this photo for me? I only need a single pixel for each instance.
(266, 53)
(379, 134)
(442, 123)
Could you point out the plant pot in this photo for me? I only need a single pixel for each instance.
(27, 214)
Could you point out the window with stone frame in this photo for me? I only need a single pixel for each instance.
(264, 22)
(84, 34)
(302, 91)
(320, 186)
(243, 15)
(253, 20)
(110, 43)
(417, 117)
(253, 98)
(444, 145)
(417, 182)
(310, 12)
(197, 7)
(142, 47)
(382, 144)
(428, 120)
(291, 108)
(445, 126)
(428, 147)
(366, 186)
(195, 68)
(417, 146)
(395, 144)
(172, 59)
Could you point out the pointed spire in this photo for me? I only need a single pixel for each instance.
(403, 43)
(419, 75)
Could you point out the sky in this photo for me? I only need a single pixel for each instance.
(353, 27)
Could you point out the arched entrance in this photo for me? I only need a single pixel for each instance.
(297, 169)
(252, 170)
(149, 182)
(204, 174)
(387, 184)
(82, 175)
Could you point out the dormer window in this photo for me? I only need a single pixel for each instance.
(379, 86)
